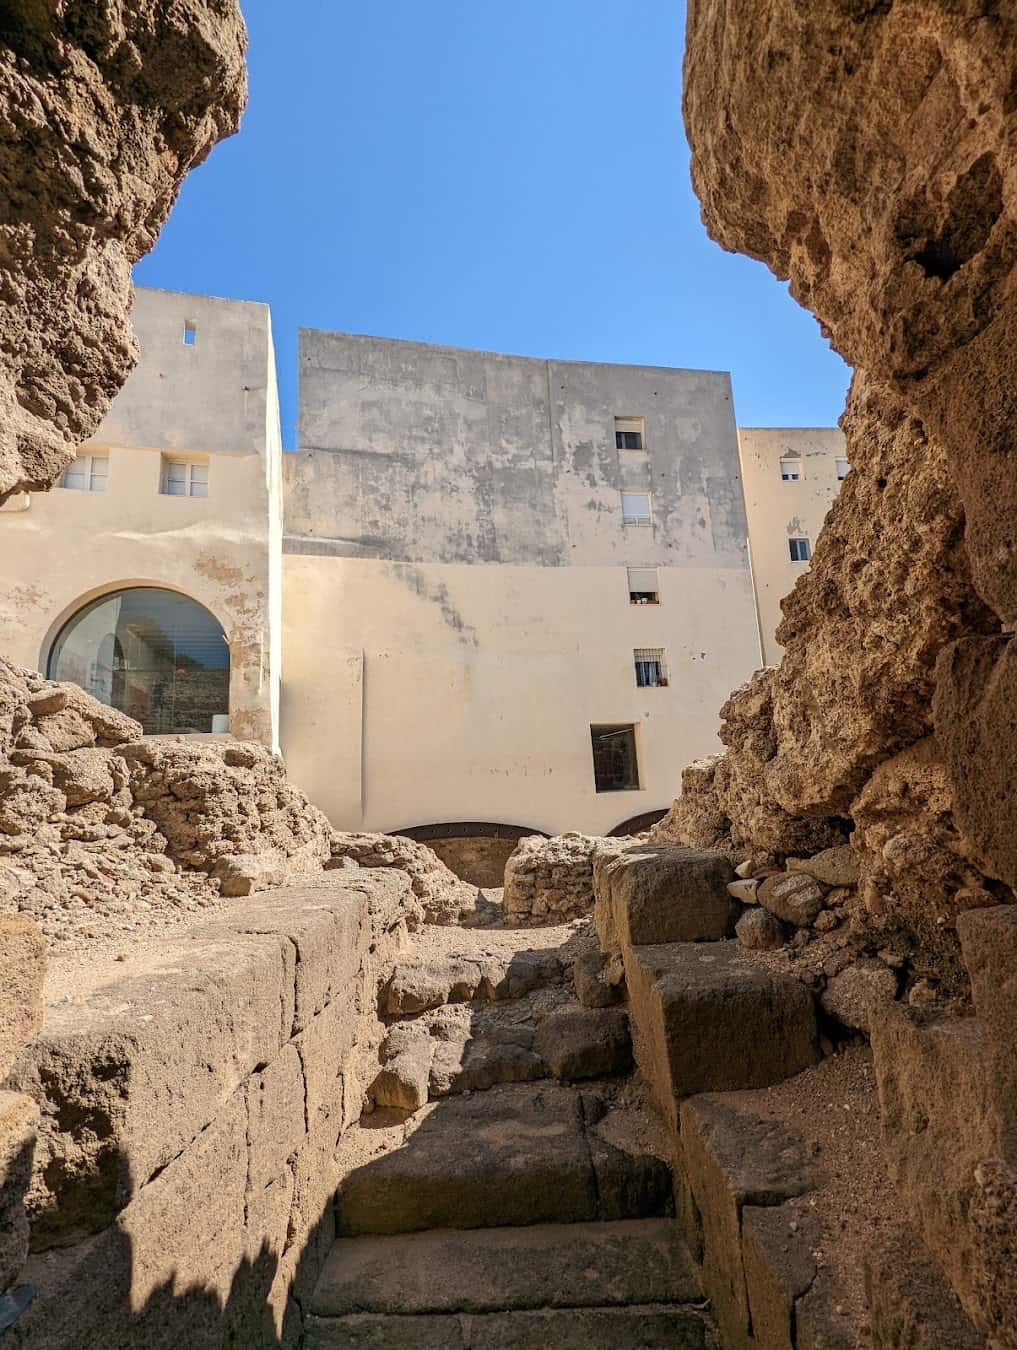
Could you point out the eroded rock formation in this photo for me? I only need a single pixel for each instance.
(104, 107)
(867, 153)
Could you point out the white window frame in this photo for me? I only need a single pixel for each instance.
(188, 476)
(633, 519)
(634, 589)
(91, 470)
(651, 656)
(190, 334)
(840, 463)
(799, 539)
(630, 426)
(791, 469)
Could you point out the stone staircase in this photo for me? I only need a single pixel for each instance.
(510, 1218)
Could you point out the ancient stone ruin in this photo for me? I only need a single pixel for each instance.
(745, 1081)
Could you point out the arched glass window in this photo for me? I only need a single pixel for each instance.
(158, 656)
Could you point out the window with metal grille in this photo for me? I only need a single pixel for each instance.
(184, 477)
(615, 762)
(843, 469)
(790, 470)
(800, 550)
(644, 588)
(88, 473)
(629, 433)
(635, 508)
(651, 669)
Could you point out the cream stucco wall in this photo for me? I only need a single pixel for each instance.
(778, 510)
(423, 693)
(218, 399)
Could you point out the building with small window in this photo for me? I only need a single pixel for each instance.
(790, 477)
(487, 594)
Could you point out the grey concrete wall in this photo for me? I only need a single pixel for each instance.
(214, 396)
(415, 453)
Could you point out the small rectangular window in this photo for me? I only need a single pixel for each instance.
(629, 433)
(843, 469)
(651, 668)
(635, 508)
(644, 588)
(800, 550)
(88, 473)
(615, 765)
(184, 477)
(790, 470)
(190, 334)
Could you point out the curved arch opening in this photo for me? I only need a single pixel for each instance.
(156, 655)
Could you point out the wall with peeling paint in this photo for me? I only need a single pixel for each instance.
(217, 399)
(456, 608)
(778, 510)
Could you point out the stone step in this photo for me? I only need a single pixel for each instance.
(518, 1154)
(650, 1327)
(420, 985)
(708, 1017)
(580, 1265)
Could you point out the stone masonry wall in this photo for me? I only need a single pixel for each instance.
(549, 881)
(190, 1103)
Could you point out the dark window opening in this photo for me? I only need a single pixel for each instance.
(615, 765)
(643, 586)
(628, 440)
(799, 549)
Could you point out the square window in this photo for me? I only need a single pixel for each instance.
(184, 477)
(190, 335)
(651, 668)
(843, 469)
(88, 473)
(635, 508)
(644, 588)
(615, 764)
(629, 433)
(800, 550)
(790, 470)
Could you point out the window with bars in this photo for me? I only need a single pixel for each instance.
(843, 469)
(635, 508)
(184, 477)
(88, 473)
(800, 550)
(629, 433)
(615, 762)
(644, 587)
(790, 470)
(651, 667)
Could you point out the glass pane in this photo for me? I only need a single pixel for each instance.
(635, 506)
(199, 473)
(614, 758)
(175, 488)
(75, 476)
(176, 472)
(159, 657)
(198, 489)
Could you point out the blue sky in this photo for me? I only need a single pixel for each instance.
(510, 176)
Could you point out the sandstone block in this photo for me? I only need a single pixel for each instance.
(596, 982)
(403, 1081)
(421, 985)
(731, 1159)
(777, 1257)
(858, 993)
(759, 930)
(585, 1042)
(910, 1302)
(471, 1063)
(324, 1047)
(708, 1018)
(22, 971)
(655, 893)
(832, 867)
(373, 1331)
(524, 972)
(275, 1108)
(793, 896)
(989, 944)
(744, 889)
(19, 1118)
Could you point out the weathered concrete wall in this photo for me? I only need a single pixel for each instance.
(455, 581)
(216, 399)
(777, 510)
(414, 453)
(192, 1099)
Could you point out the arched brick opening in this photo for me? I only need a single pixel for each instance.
(636, 824)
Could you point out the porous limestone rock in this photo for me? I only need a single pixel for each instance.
(792, 896)
(759, 930)
(548, 881)
(104, 831)
(445, 899)
(105, 106)
(854, 993)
